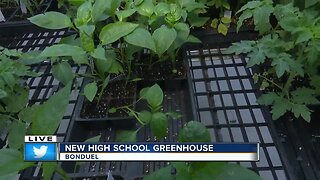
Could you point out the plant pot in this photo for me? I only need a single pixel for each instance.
(15, 26)
(93, 115)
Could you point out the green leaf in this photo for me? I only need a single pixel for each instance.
(256, 57)
(301, 110)
(93, 139)
(280, 107)
(12, 161)
(183, 32)
(267, 99)
(280, 66)
(17, 101)
(250, 5)
(146, 8)
(98, 9)
(125, 13)
(112, 110)
(154, 96)
(90, 91)
(304, 36)
(116, 68)
(161, 174)
(62, 50)
(86, 37)
(261, 17)
(304, 96)
(142, 38)
(226, 20)
(245, 15)
(47, 116)
(197, 21)
(240, 47)
(214, 23)
(159, 124)
(143, 92)
(193, 39)
(63, 72)
(70, 40)
(145, 116)
(162, 9)
(16, 134)
(114, 31)
(126, 136)
(80, 59)
(51, 20)
(84, 14)
(163, 38)
(223, 29)
(194, 131)
(3, 93)
(48, 169)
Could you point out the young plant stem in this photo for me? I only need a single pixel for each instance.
(270, 81)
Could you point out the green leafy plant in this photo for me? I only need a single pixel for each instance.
(155, 117)
(19, 119)
(222, 25)
(196, 132)
(287, 55)
(110, 49)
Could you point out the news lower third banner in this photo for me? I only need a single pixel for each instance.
(42, 149)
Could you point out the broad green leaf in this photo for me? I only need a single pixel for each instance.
(141, 37)
(162, 9)
(197, 21)
(99, 53)
(12, 161)
(126, 136)
(304, 96)
(145, 116)
(14, 175)
(3, 93)
(125, 13)
(267, 99)
(84, 14)
(261, 17)
(245, 15)
(90, 91)
(183, 32)
(146, 8)
(304, 36)
(240, 47)
(280, 107)
(226, 20)
(194, 132)
(256, 57)
(70, 40)
(114, 31)
(193, 39)
(301, 110)
(47, 116)
(143, 92)
(30, 57)
(289, 24)
(80, 59)
(309, 3)
(250, 5)
(223, 29)
(62, 50)
(98, 9)
(48, 169)
(160, 174)
(93, 139)
(214, 23)
(280, 66)
(174, 15)
(63, 72)
(86, 37)
(51, 20)
(159, 124)
(18, 101)
(163, 38)
(16, 134)
(116, 68)
(154, 96)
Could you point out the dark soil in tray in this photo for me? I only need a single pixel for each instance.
(159, 71)
(117, 94)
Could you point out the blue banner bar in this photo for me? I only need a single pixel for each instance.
(159, 147)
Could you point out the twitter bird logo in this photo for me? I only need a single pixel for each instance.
(39, 153)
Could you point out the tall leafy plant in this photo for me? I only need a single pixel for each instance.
(287, 54)
(19, 119)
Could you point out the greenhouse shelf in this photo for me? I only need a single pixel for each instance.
(224, 95)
